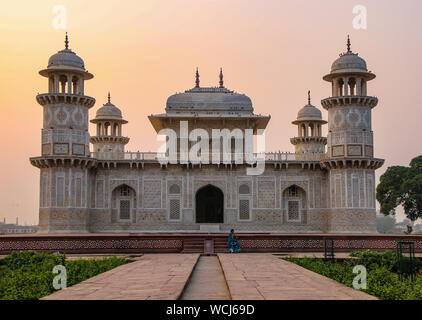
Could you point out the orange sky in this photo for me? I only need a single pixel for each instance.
(144, 51)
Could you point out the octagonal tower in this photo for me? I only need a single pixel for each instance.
(350, 147)
(65, 156)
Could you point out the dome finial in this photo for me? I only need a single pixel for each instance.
(66, 42)
(309, 97)
(221, 78)
(348, 44)
(109, 97)
(197, 78)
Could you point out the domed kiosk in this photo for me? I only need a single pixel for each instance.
(309, 144)
(109, 142)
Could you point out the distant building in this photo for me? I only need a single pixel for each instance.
(15, 228)
(385, 224)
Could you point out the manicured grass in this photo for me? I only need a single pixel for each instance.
(382, 277)
(29, 275)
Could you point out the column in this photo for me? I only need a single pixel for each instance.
(69, 84)
(359, 87)
(56, 84)
(346, 86)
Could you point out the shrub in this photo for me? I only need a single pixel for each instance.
(388, 259)
(28, 275)
(382, 279)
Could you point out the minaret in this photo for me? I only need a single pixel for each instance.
(65, 156)
(309, 143)
(109, 143)
(350, 149)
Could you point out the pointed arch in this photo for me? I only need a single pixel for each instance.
(294, 204)
(209, 205)
(124, 201)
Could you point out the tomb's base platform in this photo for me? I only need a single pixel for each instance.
(198, 242)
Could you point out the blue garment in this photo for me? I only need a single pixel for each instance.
(233, 244)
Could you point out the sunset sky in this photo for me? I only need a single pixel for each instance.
(144, 51)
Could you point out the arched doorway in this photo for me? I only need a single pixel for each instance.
(209, 205)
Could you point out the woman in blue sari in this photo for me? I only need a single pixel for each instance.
(232, 243)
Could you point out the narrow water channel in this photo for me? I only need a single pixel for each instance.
(207, 281)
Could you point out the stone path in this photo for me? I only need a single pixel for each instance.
(253, 276)
(154, 276)
(258, 276)
(207, 281)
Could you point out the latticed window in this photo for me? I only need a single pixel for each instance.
(244, 189)
(293, 191)
(124, 209)
(174, 209)
(244, 213)
(124, 191)
(293, 210)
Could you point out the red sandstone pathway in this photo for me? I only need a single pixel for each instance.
(253, 276)
(154, 276)
(259, 276)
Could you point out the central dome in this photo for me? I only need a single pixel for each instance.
(209, 99)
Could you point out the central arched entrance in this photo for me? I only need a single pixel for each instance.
(209, 205)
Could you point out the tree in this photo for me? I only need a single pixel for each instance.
(402, 186)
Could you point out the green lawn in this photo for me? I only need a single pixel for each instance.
(29, 275)
(382, 277)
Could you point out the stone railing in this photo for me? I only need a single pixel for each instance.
(160, 157)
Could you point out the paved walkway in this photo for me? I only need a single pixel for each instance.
(259, 276)
(207, 281)
(253, 276)
(154, 276)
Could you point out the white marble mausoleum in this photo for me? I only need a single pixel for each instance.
(89, 183)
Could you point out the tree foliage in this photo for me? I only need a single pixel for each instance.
(402, 186)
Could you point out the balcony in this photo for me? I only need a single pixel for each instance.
(349, 100)
(54, 98)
